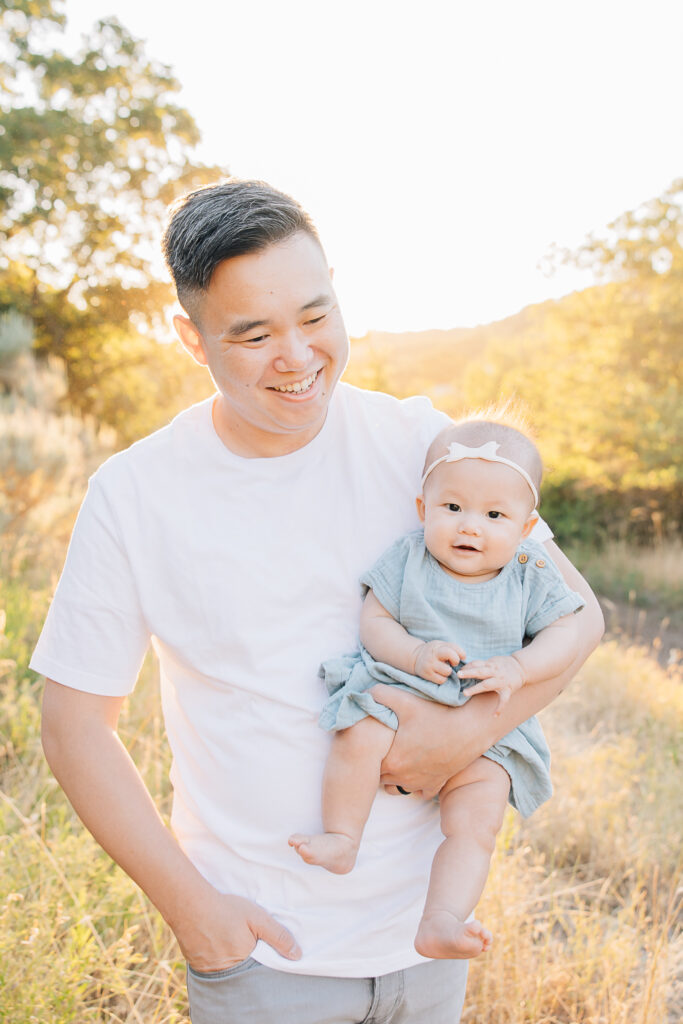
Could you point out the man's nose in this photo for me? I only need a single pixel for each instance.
(294, 352)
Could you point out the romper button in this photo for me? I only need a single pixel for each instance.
(540, 562)
(523, 558)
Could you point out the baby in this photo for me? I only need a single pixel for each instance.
(470, 576)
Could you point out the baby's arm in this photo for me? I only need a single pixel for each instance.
(388, 641)
(550, 652)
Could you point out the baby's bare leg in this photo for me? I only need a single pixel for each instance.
(472, 807)
(349, 787)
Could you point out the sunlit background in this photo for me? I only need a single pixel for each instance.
(444, 149)
(441, 146)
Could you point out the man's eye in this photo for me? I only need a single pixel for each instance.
(317, 319)
(252, 341)
(452, 507)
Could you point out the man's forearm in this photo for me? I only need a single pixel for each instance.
(214, 930)
(433, 742)
(476, 727)
(592, 620)
(104, 787)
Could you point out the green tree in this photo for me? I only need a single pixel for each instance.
(600, 373)
(92, 150)
(639, 257)
(641, 244)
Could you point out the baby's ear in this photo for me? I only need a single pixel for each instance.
(530, 523)
(420, 502)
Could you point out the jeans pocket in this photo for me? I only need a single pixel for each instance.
(227, 972)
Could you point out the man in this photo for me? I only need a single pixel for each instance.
(234, 539)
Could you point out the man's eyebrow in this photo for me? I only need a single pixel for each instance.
(242, 326)
(320, 300)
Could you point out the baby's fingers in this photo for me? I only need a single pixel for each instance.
(442, 663)
(488, 686)
(439, 672)
(485, 686)
(455, 654)
(503, 697)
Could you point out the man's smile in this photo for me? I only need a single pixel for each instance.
(297, 387)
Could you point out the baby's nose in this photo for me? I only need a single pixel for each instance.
(470, 524)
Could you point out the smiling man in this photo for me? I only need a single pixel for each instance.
(275, 351)
(233, 540)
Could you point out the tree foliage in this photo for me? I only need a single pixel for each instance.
(598, 373)
(644, 243)
(601, 370)
(92, 150)
(45, 457)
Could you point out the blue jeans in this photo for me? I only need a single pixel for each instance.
(429, 993)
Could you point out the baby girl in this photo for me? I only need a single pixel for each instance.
(470, 579)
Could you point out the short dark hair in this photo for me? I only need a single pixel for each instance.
(219, 222)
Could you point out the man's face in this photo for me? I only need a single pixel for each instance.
(274, 341)
(475, 514)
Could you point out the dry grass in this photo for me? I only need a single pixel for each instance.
(644, 576)
(582, 897)
(585, 897)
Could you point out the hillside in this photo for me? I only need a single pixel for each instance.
(433, 361)
(596, 373)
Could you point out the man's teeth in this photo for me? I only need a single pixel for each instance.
(299, 385)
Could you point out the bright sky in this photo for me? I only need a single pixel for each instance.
(441, 145)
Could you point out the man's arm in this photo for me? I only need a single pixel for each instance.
(93, 767)
(434, 742)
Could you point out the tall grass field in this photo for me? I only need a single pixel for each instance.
(584, 898)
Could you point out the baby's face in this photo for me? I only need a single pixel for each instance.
(475, 514)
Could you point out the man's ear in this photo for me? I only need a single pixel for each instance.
(420, 502)
(530, 523)
(190, 338)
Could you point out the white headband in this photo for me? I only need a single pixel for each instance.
(487, 452)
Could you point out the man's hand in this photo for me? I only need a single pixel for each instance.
(501, 674)
(433, 742)
(429, 746)
(435, 660)
(223, 930)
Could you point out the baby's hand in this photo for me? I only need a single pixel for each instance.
(435, 660)
(501, 674)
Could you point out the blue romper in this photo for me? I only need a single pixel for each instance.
(485, 619)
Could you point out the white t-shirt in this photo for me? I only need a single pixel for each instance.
(244, 573)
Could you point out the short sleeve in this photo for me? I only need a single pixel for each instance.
(95, 637)
(385, 578)
(549, 596)
(541, 532)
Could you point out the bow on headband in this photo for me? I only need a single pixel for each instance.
(487, 452)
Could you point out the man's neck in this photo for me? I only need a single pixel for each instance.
(249, 442)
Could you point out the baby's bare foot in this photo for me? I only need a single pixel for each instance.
(332, 850)
(442, 936)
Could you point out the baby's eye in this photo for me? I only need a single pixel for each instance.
(452, 507)
(493, 514)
